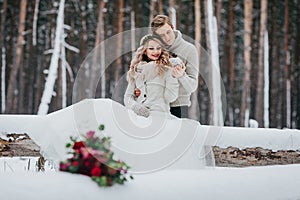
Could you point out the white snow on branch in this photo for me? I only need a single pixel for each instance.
(70, 47)
(35, 18)
(68, 67)
(50, 82)
(49, 51)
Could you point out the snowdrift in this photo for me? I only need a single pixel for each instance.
(172, 149)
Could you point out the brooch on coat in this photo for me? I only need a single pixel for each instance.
(137, 92)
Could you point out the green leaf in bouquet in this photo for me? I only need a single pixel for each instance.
(101, 127)
(68, 145)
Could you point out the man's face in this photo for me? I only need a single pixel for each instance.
(166, 33)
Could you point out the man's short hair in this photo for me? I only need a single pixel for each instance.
(158, 21)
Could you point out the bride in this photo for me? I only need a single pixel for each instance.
(151, 86)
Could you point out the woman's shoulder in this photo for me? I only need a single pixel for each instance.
(146, 63)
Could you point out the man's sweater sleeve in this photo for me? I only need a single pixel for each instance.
(189, 80)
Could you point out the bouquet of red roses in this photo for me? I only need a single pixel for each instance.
(92, 157)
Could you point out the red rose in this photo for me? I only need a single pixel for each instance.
(96, 171)
(75, 163)
(87, 163)
(78, 145)
(63, 166)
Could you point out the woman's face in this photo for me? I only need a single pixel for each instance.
(153, 50)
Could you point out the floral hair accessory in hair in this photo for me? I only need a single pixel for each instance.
(148, 37)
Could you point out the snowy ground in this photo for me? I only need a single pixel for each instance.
(252, 183)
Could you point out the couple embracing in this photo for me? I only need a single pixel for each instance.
(163, 73)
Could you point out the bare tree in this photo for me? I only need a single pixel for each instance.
(17, 61)
(83, 33)
(119, 68)
(259, 111)
(152, 8)
(34, 23)
(160, 7)
(245, 109)
(208, 48)
(231, 61)
(275, 63)
(52, 74)
(219, 16)
(287, 102)
(172, 12)
(3, 54)
(215, 67)
(194, 108)
(297, 64)
(100, 50)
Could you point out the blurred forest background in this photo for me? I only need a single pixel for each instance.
(245, 28)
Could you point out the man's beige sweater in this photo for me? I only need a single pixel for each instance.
(188, 83)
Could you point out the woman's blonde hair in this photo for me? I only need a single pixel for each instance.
(162, 62)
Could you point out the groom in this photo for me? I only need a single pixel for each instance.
(188, 74)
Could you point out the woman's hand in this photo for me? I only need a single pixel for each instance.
(178, 71)
(140, 110)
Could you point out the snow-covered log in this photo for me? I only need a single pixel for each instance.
(52, 131)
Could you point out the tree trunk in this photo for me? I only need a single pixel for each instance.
(297, 65)
(178, 9)
(259, 111)
(206, 28)
(152, 8)
(287, 101)
(215, 67)
(194, 108)
(172, 12)
(219, 17)
(245, 109)
(138, 15)
(275, 103)
(3, 55)
(208, 49)
(119, 67)
(267, 80)
(108, 70)
(11, 91)
(231, 62)
(102, 56)
(52, 74)
(160, 7)
(34, 23)
(83, 33)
